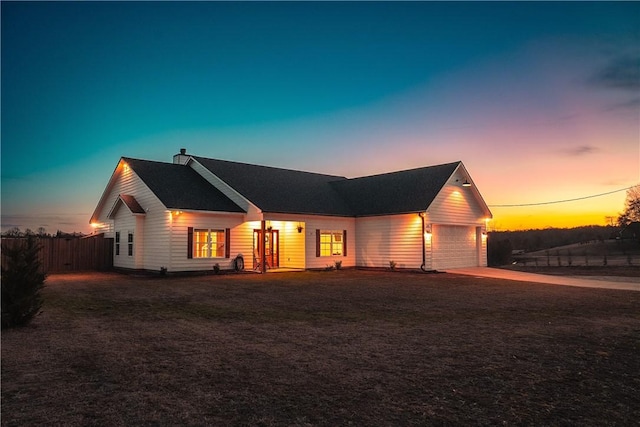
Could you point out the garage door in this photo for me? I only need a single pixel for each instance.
(454, 246)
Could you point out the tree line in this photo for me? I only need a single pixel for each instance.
(40, 232)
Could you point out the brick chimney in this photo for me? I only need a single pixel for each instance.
(181, 158)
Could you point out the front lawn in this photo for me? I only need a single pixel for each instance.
(323, 348)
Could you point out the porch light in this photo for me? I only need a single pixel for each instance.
(466, 183)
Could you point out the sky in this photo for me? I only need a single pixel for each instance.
(540, 101)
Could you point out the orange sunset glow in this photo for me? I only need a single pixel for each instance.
(540, 101)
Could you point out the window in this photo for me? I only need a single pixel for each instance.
(208, 243)
(130, 243)
(331, 242)
(117, 243)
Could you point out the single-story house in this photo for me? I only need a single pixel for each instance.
(197, 212)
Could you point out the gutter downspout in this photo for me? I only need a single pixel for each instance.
(423, 267)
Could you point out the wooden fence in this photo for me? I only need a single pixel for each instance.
(61, 254)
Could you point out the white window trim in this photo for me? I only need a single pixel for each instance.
(196, 253)
(333, 242)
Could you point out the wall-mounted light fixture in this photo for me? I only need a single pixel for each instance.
(428, 229)
(466, 183)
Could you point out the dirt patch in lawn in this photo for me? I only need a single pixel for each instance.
(323, 348)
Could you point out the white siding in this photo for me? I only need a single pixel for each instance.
(481, 241)
(456, 204)
(395, 238)
(291, 242)
(458, 220)
(314, 223)
(125, 222)
(152, 227)
(178, 244)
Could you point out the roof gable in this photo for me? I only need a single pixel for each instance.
(180, 187)
(130, 202)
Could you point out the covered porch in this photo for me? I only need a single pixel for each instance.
(277, 245)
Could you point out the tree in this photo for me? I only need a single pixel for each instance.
(22, 282)
(498, 251)
(13, 232)
(631, 212)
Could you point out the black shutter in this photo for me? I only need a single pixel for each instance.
(190, 242)
(344, 242)
(227, 243)
(317, 243)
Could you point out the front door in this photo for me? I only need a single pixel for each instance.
(270, 248)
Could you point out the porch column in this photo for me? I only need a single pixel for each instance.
(263, 255)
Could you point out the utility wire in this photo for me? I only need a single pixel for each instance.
(560, 201)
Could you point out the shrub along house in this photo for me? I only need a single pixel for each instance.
(197, 212)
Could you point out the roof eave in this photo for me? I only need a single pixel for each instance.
(201, 211)
(106, 191)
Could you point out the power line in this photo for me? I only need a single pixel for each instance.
(560, 201)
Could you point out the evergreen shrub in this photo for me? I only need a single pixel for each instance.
(22, 282)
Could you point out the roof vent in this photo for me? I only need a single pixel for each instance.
(183, 151)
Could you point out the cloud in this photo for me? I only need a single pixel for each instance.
(581, 150)
(620, 73)
(631, 104)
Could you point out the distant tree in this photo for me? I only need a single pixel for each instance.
(41, 232)
(498, 250)
(13, 232)
(631, 211)
(22, 282)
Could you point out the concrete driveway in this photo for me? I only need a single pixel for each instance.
(605, 282)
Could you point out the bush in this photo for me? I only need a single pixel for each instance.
(22, 282)
(498, 251)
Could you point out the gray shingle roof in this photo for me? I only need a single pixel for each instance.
(396, 192)
(289, 191)
(281, 190)
(180, 187)
(132, 203)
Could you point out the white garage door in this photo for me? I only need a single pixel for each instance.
(454, 246)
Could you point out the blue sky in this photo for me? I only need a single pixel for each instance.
(541, 101)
